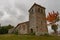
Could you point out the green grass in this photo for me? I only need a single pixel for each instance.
(27, 37)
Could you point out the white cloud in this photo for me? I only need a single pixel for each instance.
(5, 15)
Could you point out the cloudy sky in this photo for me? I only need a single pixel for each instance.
(16, 11)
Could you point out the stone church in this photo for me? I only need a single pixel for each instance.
(36, 24)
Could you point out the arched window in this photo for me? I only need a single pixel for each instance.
(38, 9)
(23, 27)
(37, 28)
(31, 10)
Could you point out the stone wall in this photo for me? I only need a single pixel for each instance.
(37, 19)
(23, 28)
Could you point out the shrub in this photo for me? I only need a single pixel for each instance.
(32, 33)
(16, 32)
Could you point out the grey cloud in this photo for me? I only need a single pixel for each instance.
(20, 6)
(1, 14)
(10, 11)
(22, 18)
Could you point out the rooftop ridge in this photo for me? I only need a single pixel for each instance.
(37, 5)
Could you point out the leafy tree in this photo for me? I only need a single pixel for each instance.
(53, 18)
(4, 29)
(9, 27)
(54, 27)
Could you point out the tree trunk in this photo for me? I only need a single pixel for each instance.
(54, 27)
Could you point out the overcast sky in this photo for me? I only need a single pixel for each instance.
(16, 11)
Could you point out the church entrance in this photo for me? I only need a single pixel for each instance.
(31, 30)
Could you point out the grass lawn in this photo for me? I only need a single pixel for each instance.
(27, 37)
